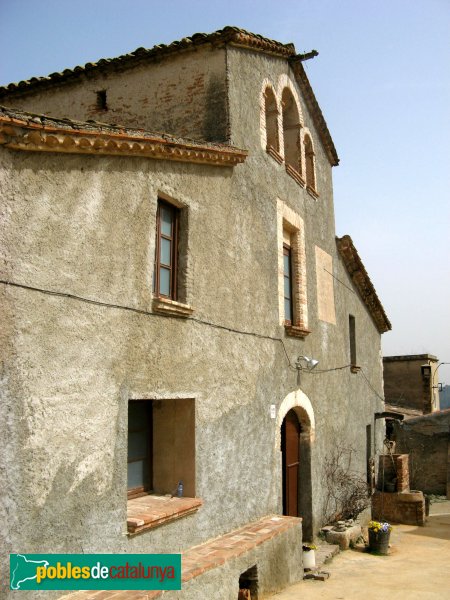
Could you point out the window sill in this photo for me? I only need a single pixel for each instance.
(295, 331)
(166, 306)
(295, 175)
(274, 154)
(148, 512)
(355, 369)
(312, 191)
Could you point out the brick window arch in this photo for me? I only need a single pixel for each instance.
(291, 135)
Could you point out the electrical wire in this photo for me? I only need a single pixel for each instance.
(188, 318)
(339, 281)
(146, 313)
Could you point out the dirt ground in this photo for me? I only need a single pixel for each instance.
(417, 567)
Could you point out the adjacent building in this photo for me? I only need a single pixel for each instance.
(411, 384)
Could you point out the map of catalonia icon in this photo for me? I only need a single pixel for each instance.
(23, 569)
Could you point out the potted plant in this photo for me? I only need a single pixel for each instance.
(379, 534)
(309, 556)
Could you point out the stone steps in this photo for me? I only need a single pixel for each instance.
(324, 555)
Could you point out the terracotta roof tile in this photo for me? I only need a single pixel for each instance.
(222, 36)
(20, 130)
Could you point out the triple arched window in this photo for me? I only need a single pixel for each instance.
(284, 136)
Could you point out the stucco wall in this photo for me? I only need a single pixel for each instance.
(183, 96)
(427, 441)
(405, 386)
(334, 395)
(85, 226)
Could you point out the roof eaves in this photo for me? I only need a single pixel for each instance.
(25, 131)
(316, 112)
(364, 285)
(410, 357)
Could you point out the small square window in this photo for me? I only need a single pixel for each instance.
(101, 100)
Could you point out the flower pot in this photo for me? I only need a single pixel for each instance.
(309, 559)
(379, 541)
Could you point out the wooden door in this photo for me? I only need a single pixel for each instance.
(290, 446)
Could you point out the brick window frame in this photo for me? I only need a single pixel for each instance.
(291, 233)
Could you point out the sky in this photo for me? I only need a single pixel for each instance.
(382, 79)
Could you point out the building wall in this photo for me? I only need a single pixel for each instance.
(444, 397)
(336, 394)
(85, 226)
(182, 95)
(427, 441)
(405, 386)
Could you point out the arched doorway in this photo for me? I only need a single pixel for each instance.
(290, 448)
(295, 437)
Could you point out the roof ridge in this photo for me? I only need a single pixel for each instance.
(229, 34)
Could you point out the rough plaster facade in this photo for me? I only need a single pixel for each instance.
(427, 441)
(408, 385)
(84, 227)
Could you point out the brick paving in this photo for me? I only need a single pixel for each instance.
(148, 512)
(202, 558)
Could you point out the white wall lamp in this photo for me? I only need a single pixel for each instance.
(305, 363)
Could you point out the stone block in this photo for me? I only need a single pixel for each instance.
(343, 538)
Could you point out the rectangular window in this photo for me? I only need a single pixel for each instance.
(161, 456)
(291, 271)
(161, 446)
(287, 276)
(140, 451)
(352, 339)
(166, 251)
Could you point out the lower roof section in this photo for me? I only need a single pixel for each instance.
(25, 131)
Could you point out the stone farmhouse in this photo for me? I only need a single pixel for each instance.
(411, 384)
(169, 270)
(415, 422)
